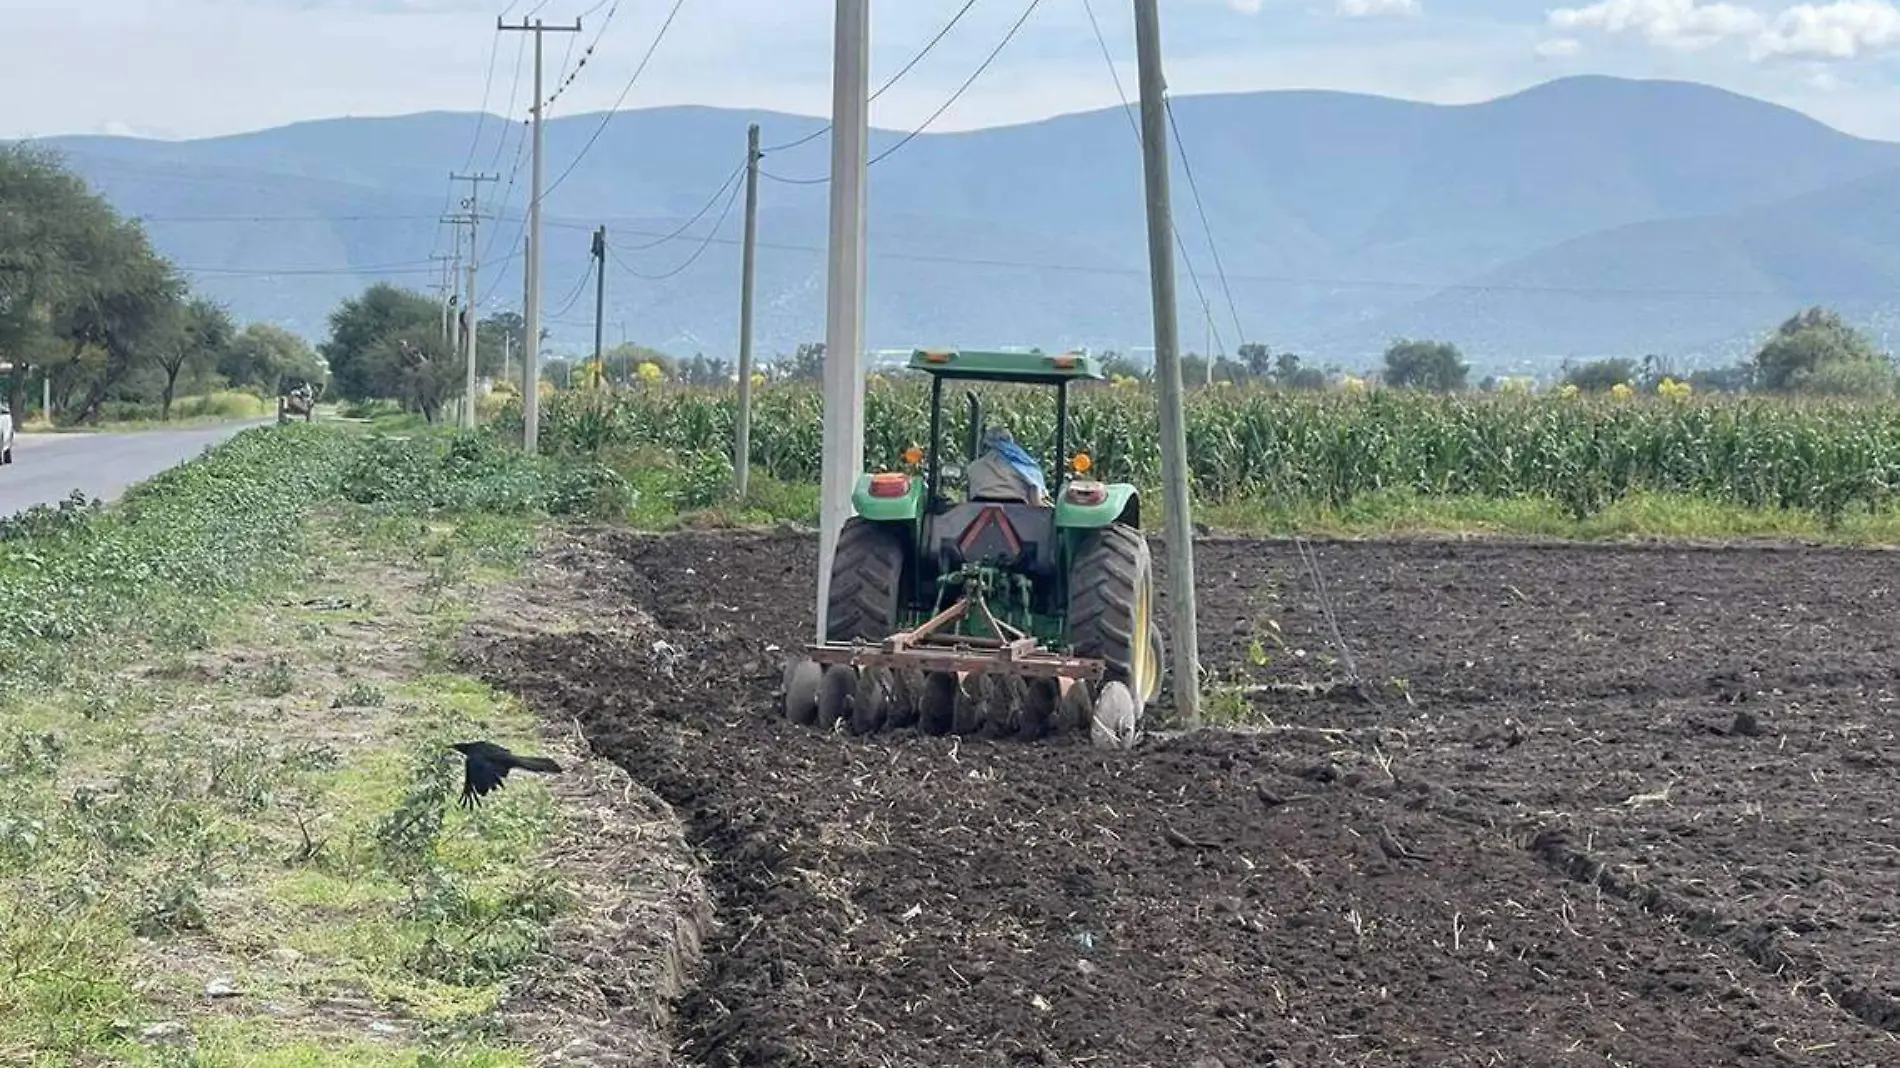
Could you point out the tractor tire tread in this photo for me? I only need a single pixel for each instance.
(866, 598)
(1102, 588)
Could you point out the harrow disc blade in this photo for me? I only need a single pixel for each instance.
(972, 697)
(1003, 705)
(1038, 718)
(801, 691)
(1116, 715)
(937, 709)
(906, 701)
(870, 706)
(1075, 709)
(835, 690)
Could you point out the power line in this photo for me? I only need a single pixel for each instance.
(663, 237)
(615, 109)
(1128, 110)
(967, 82)
(514, 96)
(394, 217)
(893, 80)
(937, 114)
(403, 267)
(700, 214)
(579, 288)
(704, 244)
(481, 113)
(588, 52)
(1213, 250)
(514, 173)
(1108, 57)
(567, 56)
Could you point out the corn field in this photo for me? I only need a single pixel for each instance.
(1322, 449)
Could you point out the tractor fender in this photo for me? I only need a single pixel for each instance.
(1122, 505)
(905, 509)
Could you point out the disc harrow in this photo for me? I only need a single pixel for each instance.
(932, 678)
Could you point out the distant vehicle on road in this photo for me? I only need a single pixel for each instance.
(6, 435)
(301, 401)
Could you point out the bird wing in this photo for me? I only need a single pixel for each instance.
(481, 777)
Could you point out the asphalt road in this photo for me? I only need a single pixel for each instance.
(47, 468)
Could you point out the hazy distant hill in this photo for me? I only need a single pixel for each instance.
(1584, 216)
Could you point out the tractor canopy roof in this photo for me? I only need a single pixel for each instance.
(1031, 367)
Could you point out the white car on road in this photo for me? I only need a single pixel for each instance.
(6, 435)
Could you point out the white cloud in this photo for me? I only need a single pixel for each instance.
(1680, 24)
(1245, 7)
(1844, 29)
(1558, 47)
(1355, 9)
(1836, 30)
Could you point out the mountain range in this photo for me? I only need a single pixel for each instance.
(1583, 217)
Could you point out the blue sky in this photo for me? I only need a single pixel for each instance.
(188, 68)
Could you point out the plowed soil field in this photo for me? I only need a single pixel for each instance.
(1588, 806)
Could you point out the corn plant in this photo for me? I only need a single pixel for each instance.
(1325, 449)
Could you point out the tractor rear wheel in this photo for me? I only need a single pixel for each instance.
(1111, 609)
(866, 598)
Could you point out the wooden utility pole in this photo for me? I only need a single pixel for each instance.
(531, 360)
(1174, 467)
(742, 432)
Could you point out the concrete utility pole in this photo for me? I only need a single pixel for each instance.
(600, 299)
(1174, 470)
(443, 288)
(844, 287)
(742, 437)
(473, 331)
(527, 285)
(531, 360)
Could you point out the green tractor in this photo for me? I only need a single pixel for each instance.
(965, 598)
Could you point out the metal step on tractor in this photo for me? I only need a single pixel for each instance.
(967, 599)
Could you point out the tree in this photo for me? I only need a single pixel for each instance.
(270, 360)
(500, 339)
(415, 367)
(1434, 365)
(364, 359)
(67, 260)
(807, 364)
(1258, 359)
(196, 336)
(1816, 351)
(1600, 376)
(623, 361)
(1736, 378)
(1288, 373)
(1116, 365)
(125, 314)
(700, 371)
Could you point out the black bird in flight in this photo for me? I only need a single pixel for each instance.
(485, 765)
